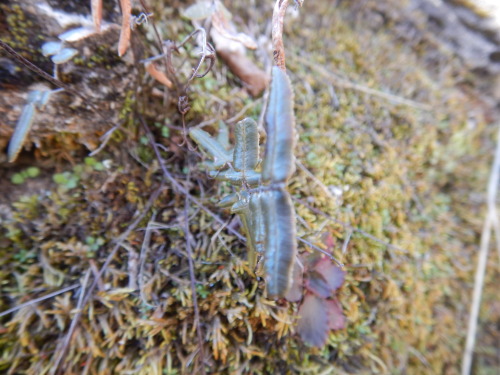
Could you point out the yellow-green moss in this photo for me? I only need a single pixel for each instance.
(395, 172)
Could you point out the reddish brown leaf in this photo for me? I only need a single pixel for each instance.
(333, 275)
(313, 320)
(317, 284)
(336, 318)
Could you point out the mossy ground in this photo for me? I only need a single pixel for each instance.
(414, 179)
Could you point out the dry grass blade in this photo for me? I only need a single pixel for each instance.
(223, 26)
(482, 261)
(40, 299)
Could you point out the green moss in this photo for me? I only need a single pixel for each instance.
(400, 177)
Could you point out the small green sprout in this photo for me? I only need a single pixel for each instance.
(96, 165)
(20, 178)
(24, 256)
(94, 244)
(17, 178)
(66, 180)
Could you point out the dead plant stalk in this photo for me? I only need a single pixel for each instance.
(491, 218)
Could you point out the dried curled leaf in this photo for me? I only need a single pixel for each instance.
(255, 78)
(158, 75)
(231, 48)
(227, 31)
(125, 31)
(312, 325)
(97, 14)
(280, 127)
(281, 247)
(246, 150)
(221, 20)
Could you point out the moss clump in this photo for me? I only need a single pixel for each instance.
(22, 34)
(393, 186)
